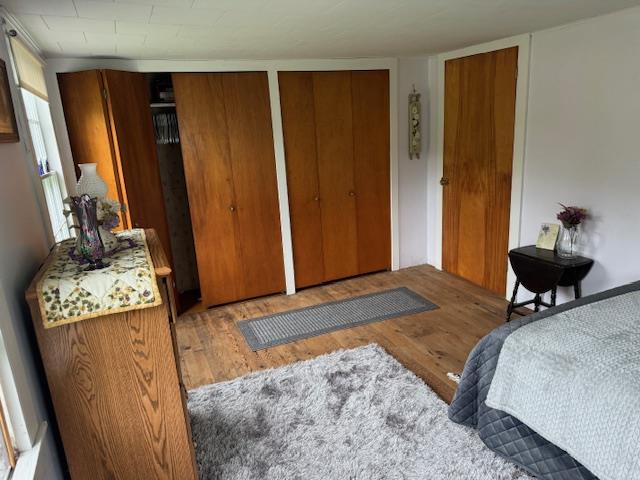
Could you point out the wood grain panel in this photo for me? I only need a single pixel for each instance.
(87, 119)
(115, 390)
(136, 154)
(298, 121)
(480, 95)
(370, 99)
(334, 134)
(209, 177)
(246, 101)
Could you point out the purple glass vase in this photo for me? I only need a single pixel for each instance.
(89, 242)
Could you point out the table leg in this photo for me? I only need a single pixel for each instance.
(513, 300)
(536, 302)
(554, 292)
(577, 290)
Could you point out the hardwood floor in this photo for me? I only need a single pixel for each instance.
(430, 344)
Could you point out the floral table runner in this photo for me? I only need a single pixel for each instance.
(67, 293)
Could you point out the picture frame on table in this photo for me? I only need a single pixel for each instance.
(548, 236)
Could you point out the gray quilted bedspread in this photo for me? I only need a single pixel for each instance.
(500, 431)
(574, 378)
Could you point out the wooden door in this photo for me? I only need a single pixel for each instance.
(87, 118)
(480, 94)
(246, 100)
(136, 154)
(370, 100)
(299, 125)
(334, 136)
(227, 148)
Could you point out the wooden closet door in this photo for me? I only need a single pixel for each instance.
(334, 136)
(204, 141)
(480, 93)
(136, 154)
(227, 146)
(299, 126)
(246, 99)
(87, 118)
(370, 97)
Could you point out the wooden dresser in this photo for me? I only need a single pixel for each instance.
(116, 389)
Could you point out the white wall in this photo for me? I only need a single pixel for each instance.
(582, 139)
(24, 243)
(583, 112)
(412, 173)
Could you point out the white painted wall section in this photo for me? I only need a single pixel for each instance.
(412, 173)
(582, 140)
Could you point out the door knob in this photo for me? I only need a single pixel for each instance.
(316, 198)
(444, 181)
(352, 193)
(232, 208)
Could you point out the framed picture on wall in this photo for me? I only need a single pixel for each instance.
(548, 236)
(8, 126)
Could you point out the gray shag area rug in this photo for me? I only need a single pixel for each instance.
(351, 414)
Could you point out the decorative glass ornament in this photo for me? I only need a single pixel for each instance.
(90, 182)
(89, 243)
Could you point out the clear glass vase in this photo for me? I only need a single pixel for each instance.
(568, 242)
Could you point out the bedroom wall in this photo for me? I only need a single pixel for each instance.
(412, 173)
(24, 243)
(582, 140)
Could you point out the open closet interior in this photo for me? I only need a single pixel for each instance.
(174, 188)
(192, 155)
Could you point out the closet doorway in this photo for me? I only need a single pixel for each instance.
(478, 153)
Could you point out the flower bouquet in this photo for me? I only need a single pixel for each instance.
(108, 213)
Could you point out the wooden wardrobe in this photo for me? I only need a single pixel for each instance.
(229, 164)
(109, 123)
(336, 135)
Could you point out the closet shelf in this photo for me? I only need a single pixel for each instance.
(162, 105)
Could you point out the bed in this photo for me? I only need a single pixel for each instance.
(512, 438)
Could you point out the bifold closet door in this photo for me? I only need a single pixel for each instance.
(334, 137)
(370, 104)
(229, 162)
(298, 119)
(87, 117)
(336, 133)
(132, 129)
(109, 123)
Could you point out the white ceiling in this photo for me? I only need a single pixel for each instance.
(260, 29)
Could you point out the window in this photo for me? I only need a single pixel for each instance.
(31, 80)
(7, 454)
(36, 132)
(45, 150)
